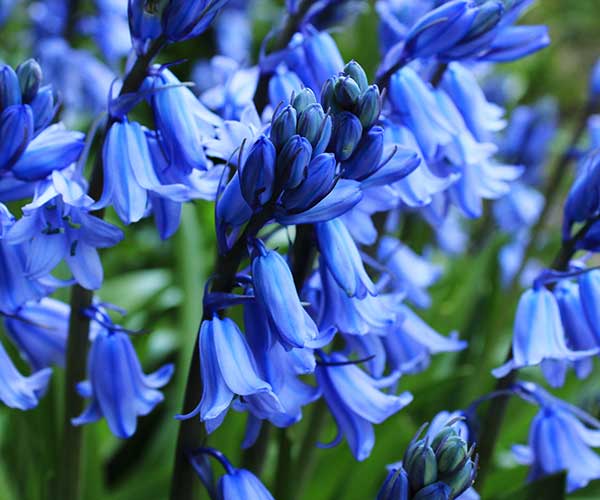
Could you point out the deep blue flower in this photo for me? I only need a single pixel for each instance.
(228, 369)
(356, 402)
(183, 19)
(16, 132)
(57, 225)
(539, 336)
(276, 294)
(39, 330)
(395, 487)
(183, 121)
(117, 387)
(144, 22)
(583, 201)
(257, 177)
(342, 258)
(559, 441)
(17, 391)
(589, 288)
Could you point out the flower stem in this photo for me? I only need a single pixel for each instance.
(70, 467)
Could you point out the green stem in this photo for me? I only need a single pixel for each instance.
(70, 469)
(284, 474)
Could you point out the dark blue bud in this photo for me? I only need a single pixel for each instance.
(369, 107)
(316, 127)
(16, 131)
(43, 107)
(283, 126)
(10, 91)
(328, 95)
(347, 132)
(347, 92)
(366, 158)
(258, 173)
(293, 161)
(357, 73)
(395, 486)
(420, 465)
(30, 79)
(435, 491)
(320, 179)
(304, 99)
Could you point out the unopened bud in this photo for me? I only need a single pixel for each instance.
(357, 73)
(369, 107)
(283, 126)
(346, 135)
(347, 92)
(304, 99)
(30, 79)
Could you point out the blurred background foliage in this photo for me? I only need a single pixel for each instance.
(161, 283)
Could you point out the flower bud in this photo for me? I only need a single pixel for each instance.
(43, 107)
(451, 455)
(258, 173)
(347, 92)
(460, 480)
(293, 161)
(442, 436)
(357, 73)
(328, 95)
(16, 130)
(320, 179)
(283, 126)
(395, 486)
(316, 127)
(347, 132)
(30, 78)
(369, 107)
(367, 156)
(435, 491)
(304, 99)
(420, 465)
(10, 91)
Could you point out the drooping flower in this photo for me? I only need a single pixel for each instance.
(117, 387)
(356, 402)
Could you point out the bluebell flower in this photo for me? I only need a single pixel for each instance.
(589, 288)
(16, 130)
(257, 176)
(355, 401)
(342, 258)
(395, 487)
(583, 201)
(144, 22)
(276, 293)
(516, 42)
(559, 441)
(16, 287)
(539, 336)
(182, 133)
(183, 19)
(117, 387)
(57, 225)
(412, 273)
(410, 342)
(39, 330)
(519, 209)
(283, 84)
(17, 391)
(228, 369)
(234, 31)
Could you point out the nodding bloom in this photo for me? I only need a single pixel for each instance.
(583, 201)
(18, 391)
(275, 292)
(16, 287)
(39, 331)
(117, 387)
(356, 402)
(561, 438)
(184, 19)
(234, 484)
(228, 370)
(57, 225)
(539, 336)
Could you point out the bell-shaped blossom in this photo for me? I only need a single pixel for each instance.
(18, 391)
(129, 175)
(356, 402)
(184, 19)
(276, 293)
(342, 258)
(144, 23)
(183, 121)
(228, 368)
(410, 342)
(560, 441)
(117, 387)
(412, 273)
(39, 331)
(539, 335)
(57, 225)
(583, 201)
(589, 288)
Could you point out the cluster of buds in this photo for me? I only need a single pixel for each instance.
(441, 468)
(355, 106)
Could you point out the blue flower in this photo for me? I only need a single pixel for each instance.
(183, 19)
(355, 402)
(395, 487)
(589, 288)
(17, 391)
(559, 441)
(39, 330)
(117, 387)
(342, 258)
(276, 293)
(228, 368)
(57, 225)
(539, 336)
(144, 22)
